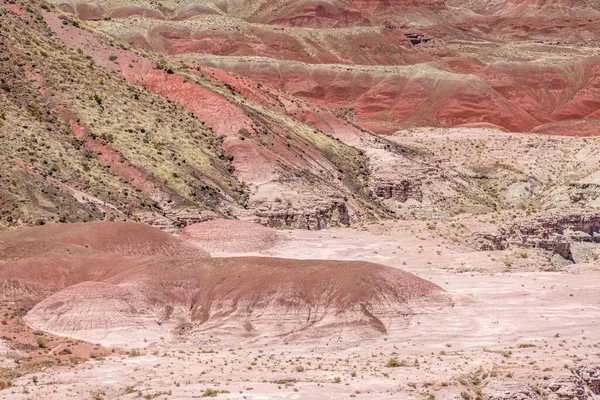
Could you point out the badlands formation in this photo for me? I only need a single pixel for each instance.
(305, 199)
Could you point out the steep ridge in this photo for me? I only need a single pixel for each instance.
(80, 149)
(288, 156)
(288, 159)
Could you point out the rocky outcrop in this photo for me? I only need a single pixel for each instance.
(574, 235)
(591, 376)
(584, 194)
(584, 252)
(559, 262)
(417, 38)
(583, 384)
(489, 241)
(510, 391)
(322, 214)
(569, 387)
(400, 191)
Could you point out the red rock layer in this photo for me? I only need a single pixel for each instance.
(513, 96)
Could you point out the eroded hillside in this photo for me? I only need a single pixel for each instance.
(179, 113)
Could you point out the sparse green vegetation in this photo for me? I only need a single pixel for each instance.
(213, 392)
(393, 363)
(35, 113)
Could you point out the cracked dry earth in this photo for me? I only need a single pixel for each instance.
(516, 329)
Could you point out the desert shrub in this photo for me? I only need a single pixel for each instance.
(213, 392)
(525, 345)
(35, 113)
(135, 353)
(393, 363)
(41, 341)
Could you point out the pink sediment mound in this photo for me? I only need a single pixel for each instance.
(231, 236)
(90, 306)
(128, 239)
(84, 291)
(251, 296)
